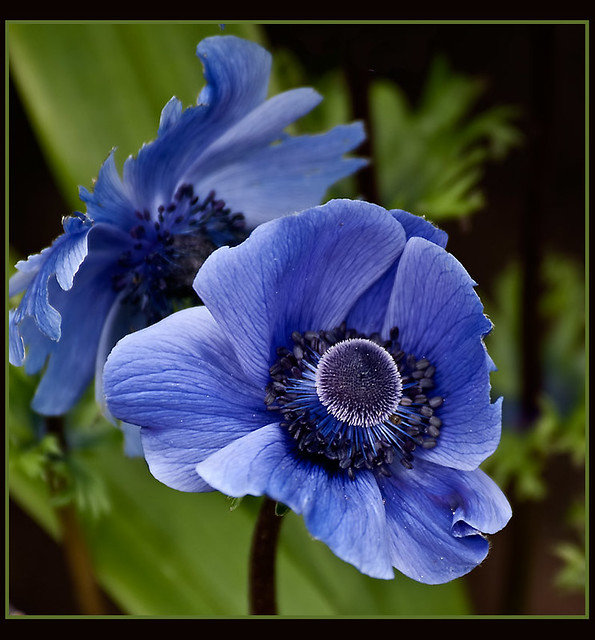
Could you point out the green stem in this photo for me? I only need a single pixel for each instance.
(85, 588)
(86, 591)
(263, 598)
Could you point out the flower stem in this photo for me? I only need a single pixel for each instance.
(85, 588)
(263, 599)
(86, 591)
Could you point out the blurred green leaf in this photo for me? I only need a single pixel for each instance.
(430, 158)
(28, 451)
(50, 475)
(560, 429)
(572, 575)
(522, 456)
(562, 306)
(504, 341)
(91, 86)
(521, 461)
(562, 312)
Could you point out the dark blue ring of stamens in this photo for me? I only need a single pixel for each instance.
(169, 246)
(414, 423)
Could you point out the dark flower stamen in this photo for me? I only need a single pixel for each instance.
(369, 386)
(169, 248)
(353, 399)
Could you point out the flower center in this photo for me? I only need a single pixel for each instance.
(168, 247)
(354, 401)
(358, 382)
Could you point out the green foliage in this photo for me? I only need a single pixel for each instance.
(51, 467)
(430, 158)
(572, 575)
(560, 427)
(523, 456)
(572, 553)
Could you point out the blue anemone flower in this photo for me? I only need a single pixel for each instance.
(338, 367)
(215, 171)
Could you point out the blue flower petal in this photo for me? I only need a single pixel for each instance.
(348, 516)
(237, 73)
(110, 201)
(298, 273)
(437, 516)
(61, 260)
(267, 182)
(71, 360)
(170, 115)
(180, 381)
(417, 226)
(36, 345)
(133, 446)
(236, 126)
(440, 317)
(81, 311)
(368, 314)
(16, 346)
(258, 128)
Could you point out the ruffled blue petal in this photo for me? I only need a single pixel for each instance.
(16, 346)
(437, 517)
(224, 143)
(71, 361)
(61, 260)
(29, 269)
(348, 516)
(266, 182)
(302, 272)
(180, 381)
(258, 128)
(440, 317)
(81, 311)
(170, 115)
(368, 314)
(110, 201)
(419, 227)
(36, 346)
(237, 73)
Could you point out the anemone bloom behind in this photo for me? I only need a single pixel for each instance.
(214, 172)
(337, 367)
